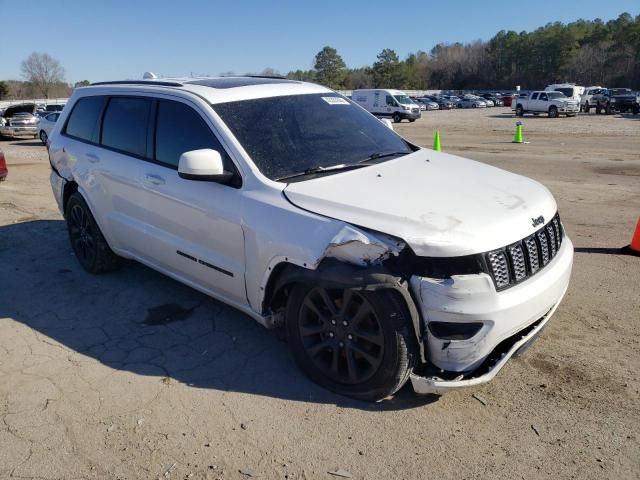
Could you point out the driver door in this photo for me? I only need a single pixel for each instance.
(194, 226)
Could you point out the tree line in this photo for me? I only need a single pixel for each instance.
(587, 52)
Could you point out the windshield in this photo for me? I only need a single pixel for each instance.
(619, 91)
(556, 95)
(403, 99)
(292, 134)
(566, 91)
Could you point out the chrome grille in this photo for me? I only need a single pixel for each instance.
(499, 268)
(515, 263)
(544, 246)
(517, 260)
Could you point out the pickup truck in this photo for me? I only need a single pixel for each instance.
(611, 100)
(551, 103)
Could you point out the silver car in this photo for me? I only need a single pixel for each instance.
(472, 102)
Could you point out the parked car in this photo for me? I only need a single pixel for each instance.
(586, 101)
(4, 171)
(258, 192)
(550, 102)
(428, 103)
(496, 101)
(443, 103)
(54, 107)
(472, 102)
(611, 100)
(387, 104)
(46, 125)
(570, 90)
(19, 120)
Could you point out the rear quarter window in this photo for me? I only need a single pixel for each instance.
(83, 120)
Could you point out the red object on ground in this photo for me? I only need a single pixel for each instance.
(635, 240)
(3, 167)
(507, 100)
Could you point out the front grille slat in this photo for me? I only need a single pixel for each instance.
(515, 263)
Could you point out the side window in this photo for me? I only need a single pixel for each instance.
(179, 129)
(391, 102)
(83, 120)
(534, 96)
(543, 97)
(125, 125)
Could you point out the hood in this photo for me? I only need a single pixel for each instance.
(439, 204)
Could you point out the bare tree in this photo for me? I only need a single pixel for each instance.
(42, 71)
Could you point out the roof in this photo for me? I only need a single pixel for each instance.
(227, 89)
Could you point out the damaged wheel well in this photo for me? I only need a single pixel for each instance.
(332, 273)
(70, 188)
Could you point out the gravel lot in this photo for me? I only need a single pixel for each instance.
(99, 378)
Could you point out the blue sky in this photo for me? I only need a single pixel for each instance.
(105, 40)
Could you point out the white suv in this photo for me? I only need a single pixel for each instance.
(284, 199)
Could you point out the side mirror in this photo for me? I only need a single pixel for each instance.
(387, 122)
(204, 164)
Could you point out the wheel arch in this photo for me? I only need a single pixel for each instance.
(70, 187)
(333, 273)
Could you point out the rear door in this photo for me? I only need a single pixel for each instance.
(118, 168)
(195, 226)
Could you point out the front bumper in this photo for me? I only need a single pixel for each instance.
(569, 109)
(511, 317)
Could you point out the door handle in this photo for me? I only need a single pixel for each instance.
(92, 158)
(154, 179)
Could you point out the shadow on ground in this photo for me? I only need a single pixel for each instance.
(143, 322)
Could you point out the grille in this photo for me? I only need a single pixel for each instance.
(517, 262)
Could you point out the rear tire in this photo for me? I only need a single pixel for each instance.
(607, 109)
(353, 342)
(43, 137)
(587, 107)
(88, 243)
(519, 111)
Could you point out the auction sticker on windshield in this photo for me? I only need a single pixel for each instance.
(335, 101)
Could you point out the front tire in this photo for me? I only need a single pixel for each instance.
(88, 243)
(553, 112)
(353, 342)
(396, 118)
(43, 137)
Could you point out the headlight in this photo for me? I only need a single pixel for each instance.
(406, 108)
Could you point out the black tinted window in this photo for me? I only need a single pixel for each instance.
(125, 125)
(84, 118)
(289, 134)
(180, 129)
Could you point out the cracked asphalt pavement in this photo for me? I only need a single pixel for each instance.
(132, 375)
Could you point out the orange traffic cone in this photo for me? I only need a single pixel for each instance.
(635, 240)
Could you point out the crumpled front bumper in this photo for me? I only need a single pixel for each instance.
(507, 321)
(490, 368)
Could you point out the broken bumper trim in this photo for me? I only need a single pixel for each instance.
(436, 385)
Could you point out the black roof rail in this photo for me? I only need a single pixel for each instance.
(275, 77)
(140, 82)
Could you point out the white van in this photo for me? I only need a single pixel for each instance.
(570, 90)
(393, 104)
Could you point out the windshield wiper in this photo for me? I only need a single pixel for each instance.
(320, 169)
(380, 155)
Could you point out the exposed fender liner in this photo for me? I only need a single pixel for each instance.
(332, 273)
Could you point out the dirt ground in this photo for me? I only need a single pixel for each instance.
(99, 378)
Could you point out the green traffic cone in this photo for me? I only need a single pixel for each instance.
(436, 142)
(517, 138)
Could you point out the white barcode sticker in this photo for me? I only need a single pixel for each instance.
(335, 100)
